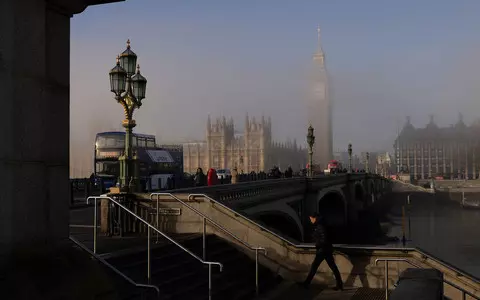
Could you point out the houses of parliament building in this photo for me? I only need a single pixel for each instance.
(251, 150)
(449, 152)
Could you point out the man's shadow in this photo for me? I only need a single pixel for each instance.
(360, 263)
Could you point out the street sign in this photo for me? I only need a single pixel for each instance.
(170, 211)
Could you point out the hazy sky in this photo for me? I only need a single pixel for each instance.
(386, 59)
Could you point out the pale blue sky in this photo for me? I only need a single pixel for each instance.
(387, 59)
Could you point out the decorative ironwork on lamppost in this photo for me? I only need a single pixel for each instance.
(350, 158)
(310, 142)
(367, 161)
(241, 164)
(129, 87)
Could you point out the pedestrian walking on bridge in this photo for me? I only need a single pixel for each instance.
(324, 251)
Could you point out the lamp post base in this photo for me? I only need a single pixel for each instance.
(128, 174)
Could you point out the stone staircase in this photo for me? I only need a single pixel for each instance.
(180, 276)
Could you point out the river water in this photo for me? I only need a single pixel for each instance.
(441, 227)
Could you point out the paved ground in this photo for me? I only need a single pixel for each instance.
(289, 290)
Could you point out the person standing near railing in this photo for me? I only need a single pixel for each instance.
(324, 251)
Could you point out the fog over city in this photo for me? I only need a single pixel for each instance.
(386, 60)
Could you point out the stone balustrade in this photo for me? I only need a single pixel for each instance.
(252, 191)
(266, 189)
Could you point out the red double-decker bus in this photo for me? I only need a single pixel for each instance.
(333, 167)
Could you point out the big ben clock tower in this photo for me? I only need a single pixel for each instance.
(320, 109)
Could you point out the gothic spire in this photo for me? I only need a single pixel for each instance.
(319, 40)
(319, 55)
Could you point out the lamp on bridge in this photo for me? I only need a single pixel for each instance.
(310, 142)
(241, 164)
(350, 158)
(129, 87)
(367, 161)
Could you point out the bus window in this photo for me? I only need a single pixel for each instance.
(141, 142)
(150, 143)
(110, 142)
(107, 167)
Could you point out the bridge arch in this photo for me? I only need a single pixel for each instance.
(280, 222)
(333, 206)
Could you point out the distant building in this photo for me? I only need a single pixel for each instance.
(372, 157)
(319, 109)
(450, 152)
(383, 164)
(250, 150)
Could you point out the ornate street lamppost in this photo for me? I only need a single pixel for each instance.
(367, 161)
(129, 88)
(350, 158)
(310, 142)
(241, 164)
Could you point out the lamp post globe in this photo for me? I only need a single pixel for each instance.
(139, 85)
(118, 79)
(128, 60)
(310, 136)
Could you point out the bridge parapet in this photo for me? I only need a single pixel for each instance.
(228, 193)
(285, 186)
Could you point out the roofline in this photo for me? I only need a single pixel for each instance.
(123, 133)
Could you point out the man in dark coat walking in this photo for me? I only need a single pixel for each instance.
(324, 250)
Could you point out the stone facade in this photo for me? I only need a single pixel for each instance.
(451, 152)
(252, 150)
(383, 164)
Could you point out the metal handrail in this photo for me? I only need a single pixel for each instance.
(386, 260)
(209, 263)
(253, 222)
(103, 261)
(225, 230)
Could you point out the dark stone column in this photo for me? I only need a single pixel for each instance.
(34, 154)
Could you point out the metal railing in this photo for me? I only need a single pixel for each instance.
(222, 228)
(386, 260)
(149, 226)
(103, 261)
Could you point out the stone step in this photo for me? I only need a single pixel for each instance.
(180, 276)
